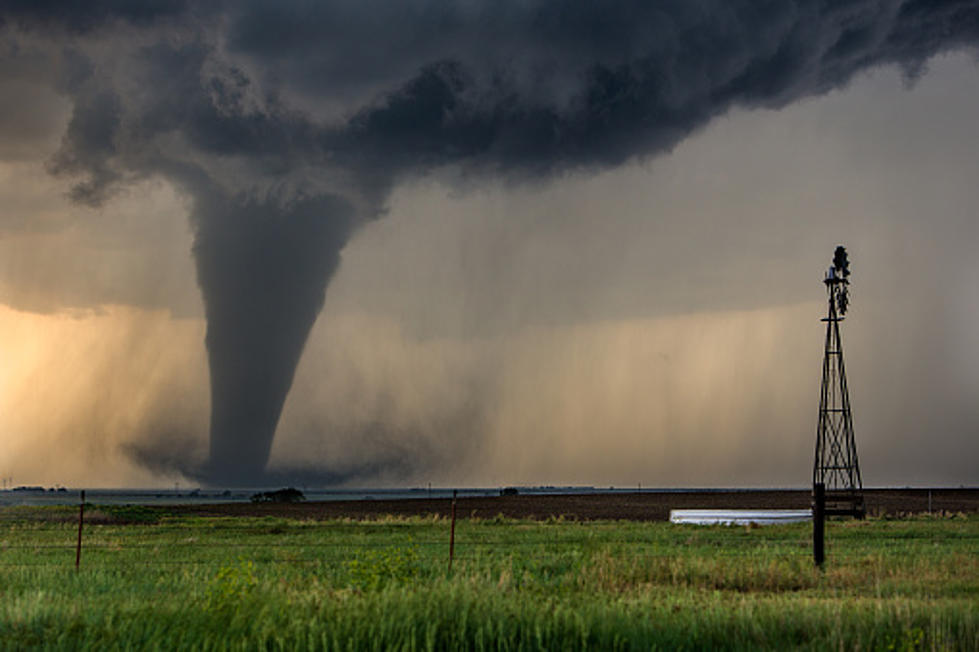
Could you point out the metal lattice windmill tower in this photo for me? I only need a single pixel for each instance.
(836, 466)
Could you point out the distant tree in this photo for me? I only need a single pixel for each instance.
(288, 495)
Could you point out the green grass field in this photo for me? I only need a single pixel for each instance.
(212, 583)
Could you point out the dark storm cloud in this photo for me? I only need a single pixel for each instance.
(288, 123)
(81, 17)
(539, 88)
(91, 134)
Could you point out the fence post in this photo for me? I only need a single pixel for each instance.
(78, 546)
(818, 523)
(452, 530)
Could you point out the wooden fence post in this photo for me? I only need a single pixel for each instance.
(452, 530)
(81, 515)
(818, 523)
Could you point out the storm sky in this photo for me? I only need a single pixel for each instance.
(530, 243)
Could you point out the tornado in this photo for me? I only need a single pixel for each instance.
(263, 269)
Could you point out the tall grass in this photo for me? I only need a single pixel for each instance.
(278, 584)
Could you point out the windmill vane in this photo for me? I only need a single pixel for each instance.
(838, 278)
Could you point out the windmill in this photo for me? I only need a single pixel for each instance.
(836, 467)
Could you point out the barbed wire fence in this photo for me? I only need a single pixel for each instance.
(274, 547)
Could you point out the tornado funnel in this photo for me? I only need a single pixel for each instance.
(263, 271)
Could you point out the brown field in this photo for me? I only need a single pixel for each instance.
(616, 506)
